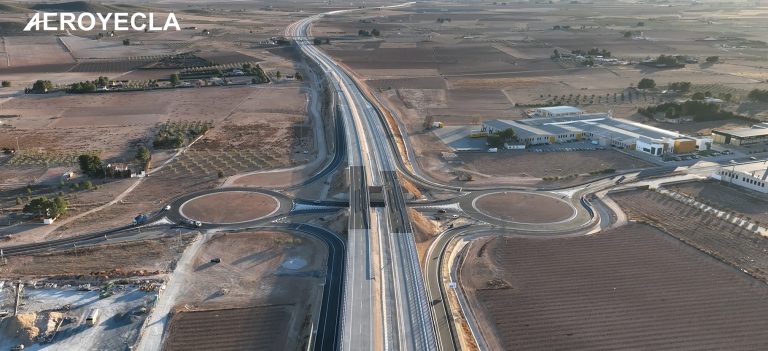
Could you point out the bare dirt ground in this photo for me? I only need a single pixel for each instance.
(610, 291)
(229, 207)
(727, 198)
(524, 207)
(495, 167)
(142, 257)
(257, 269)
(723, 240)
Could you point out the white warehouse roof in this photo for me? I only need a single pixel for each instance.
(560, 109)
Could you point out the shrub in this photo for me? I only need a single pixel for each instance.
(646, 83)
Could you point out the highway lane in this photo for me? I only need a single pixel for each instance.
(379, 169)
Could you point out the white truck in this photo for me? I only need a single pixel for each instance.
(93, 318)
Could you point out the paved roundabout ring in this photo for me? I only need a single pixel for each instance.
(526, 210)
(230, 206)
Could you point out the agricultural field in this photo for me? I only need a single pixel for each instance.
(461, 64)
(727, 198)
(735, 245)
(610, 291)
(250, 328)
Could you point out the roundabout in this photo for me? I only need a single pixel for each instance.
(230, 206)
(524, 207)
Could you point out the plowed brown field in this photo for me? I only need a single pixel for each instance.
(633, 288)
(735, 245)
(256, 328)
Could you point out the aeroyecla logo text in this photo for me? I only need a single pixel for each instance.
(117, 21)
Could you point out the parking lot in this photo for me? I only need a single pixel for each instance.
(573, 146)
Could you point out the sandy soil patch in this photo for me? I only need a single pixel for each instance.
(229, 207)
(524, 207)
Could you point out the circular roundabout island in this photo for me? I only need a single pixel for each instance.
(523, 207)
(229, 207)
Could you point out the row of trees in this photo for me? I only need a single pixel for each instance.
(88, 86)
(681, 87)
(700, 111)
(365, 33)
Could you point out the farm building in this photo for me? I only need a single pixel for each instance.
(752, 176)
(556, 111)
(746, 136)
(600, 127)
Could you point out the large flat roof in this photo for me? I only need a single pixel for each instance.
(743, 133)
(561, 109)
(599, 124)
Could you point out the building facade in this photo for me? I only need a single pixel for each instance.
(739, 137)
(753, 176)
(601, 128)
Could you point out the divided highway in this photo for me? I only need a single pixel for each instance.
(404, 312)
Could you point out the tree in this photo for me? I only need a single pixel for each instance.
(6, 83)
(646, 83)
(126, 42)
(43, 207)
(91, 165)
(713, 59)
(102, 81)
(698, 96)
(298, 76)
(507, 134)
(375, 32)
(42, 86)
(278, 75)
(556, 54)
(758, 95)
(88, 185)
(671, 112)
(494, 140)
(627, 34)
(175, 79)
(143, 155)
(317, 41)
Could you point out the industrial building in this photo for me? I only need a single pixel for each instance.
(555, 111)
(753, 176)
(745, 136)
(603, 129)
